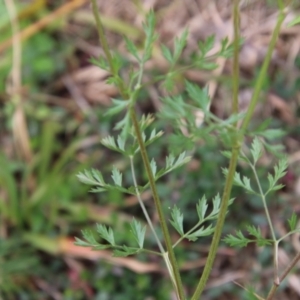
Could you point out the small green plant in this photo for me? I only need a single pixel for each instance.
(183, 111)
(239, 239)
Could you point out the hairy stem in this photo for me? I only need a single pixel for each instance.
(172, 267)
(238, 138)
(219, 226)
(232, 165)
(158, 205)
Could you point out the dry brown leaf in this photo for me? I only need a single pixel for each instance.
(45, 21)
(282, 108)
(99, 92)
(89, 73)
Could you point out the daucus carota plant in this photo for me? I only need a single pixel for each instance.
(135, 137)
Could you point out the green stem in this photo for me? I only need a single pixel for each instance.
(263, 198)
(137, 249)
(288, 234)
(173, 267)
(238, 139)
(187, 233)
(282, 277)
(103, 42)
(236, 67)
(254, 100)
(160, 246)
(264, 201)
(158, 205)
(232, 165)
(102, 37)
(219, 226)
(263, 71)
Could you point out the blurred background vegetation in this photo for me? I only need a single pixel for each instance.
(53, 101)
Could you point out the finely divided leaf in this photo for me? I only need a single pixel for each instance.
(207, 45)
(206, 65)
(200, 96)
(89, 237)
(200, 233)
(109, 142)
(227, 154)
(90, 241)
(272, 134)
(182, 159)
(79, 242)
(167, 54)
(255, 231)
(226, 48)
(106, 233)
(275, 149)
(294, 22)
(279, 172)
(131, 48)
(179, 44)
(177, 220)
(116, 176)
(202, 208)
(126, 251)
(245, 182)
(98, 175)
(123, 125)
(225, 171)
(138, 232)
(100, 62)
(171, 164)
(98, 190)
(121, 143)
(293, 221)
(280, 168)
(216, 207)
(154, 134)
(86, 178)
(153, 137)
(117, 106)
(153, 166)
(260, 240)
(170, 161)
(237, 241)
(95, 178)
(232, 119)
(117, 64)
(150, 35)
(92, 177)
